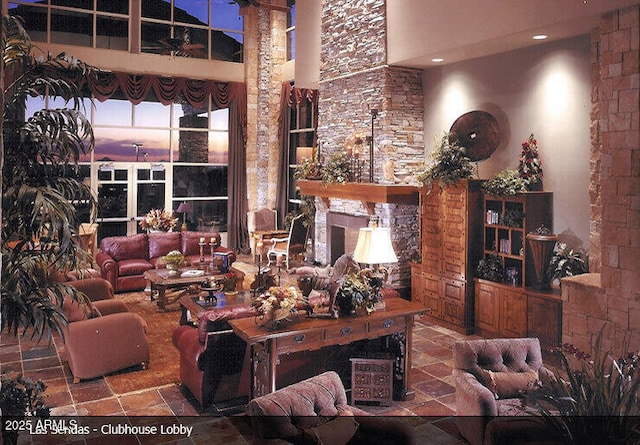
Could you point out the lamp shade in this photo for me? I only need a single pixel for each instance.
(185, 207)
(374, 246)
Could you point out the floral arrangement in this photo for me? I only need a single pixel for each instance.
(175, 257)
(158, 219)
(530, 167)
(279, 302)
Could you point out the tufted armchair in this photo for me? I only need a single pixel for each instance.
(315, 411)
(490, 378)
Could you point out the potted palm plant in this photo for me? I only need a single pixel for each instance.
(39, 221)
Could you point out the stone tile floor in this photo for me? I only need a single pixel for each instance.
(430, 411)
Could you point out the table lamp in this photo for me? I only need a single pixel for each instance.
(184, 208)
(373, 248)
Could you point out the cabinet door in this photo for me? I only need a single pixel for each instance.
(487, 307)
(417, 285)
(455, 302)
(454, 253)
(544, 320)
(431, 232)
(513, 313)
(433, 294)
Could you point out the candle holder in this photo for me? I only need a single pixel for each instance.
(201, 244)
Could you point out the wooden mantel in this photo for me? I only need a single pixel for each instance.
(369, 194)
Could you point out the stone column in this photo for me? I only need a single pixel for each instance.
(265, 52)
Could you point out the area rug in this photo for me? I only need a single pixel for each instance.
(164, 365)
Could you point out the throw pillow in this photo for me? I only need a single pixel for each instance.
(505, 385)
(337, 431)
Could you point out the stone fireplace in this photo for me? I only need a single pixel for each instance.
(342, 233)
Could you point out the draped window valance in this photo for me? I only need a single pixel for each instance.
(137, 87)
(294, 96)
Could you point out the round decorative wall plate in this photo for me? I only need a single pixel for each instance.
(478, 132)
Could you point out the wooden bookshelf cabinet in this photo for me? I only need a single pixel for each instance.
(450, 227)
(512, 308)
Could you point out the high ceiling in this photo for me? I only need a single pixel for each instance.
(455, 30)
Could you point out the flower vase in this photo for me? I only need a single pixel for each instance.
(229, 284)
(541, 248)
(535, 186)
(173, 269)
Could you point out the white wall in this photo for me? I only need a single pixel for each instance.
(543, 90)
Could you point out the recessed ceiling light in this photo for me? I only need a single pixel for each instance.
(540, 37)
(437, 60)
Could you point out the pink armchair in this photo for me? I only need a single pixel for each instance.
(106, 325)
(315, 411)
(491, 377)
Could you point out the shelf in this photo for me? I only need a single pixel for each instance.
(369, 194)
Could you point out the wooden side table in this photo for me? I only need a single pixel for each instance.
(371, 381)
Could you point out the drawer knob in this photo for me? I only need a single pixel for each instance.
(346, 330)
(299, 338)
(387, 323)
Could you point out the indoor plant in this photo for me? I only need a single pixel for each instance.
(566, 262)
(20, 397)
(491, 268)
(506, 183)
(355, 293)
(593, 398)
(337, 169)
(450, 163)
(39, 220)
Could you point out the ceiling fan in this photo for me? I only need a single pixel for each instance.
(178, 46)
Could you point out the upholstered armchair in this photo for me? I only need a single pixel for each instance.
(260, 220)
(491, 377)
(102, 336)
(315, 411)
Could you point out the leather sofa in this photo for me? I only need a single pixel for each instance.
(124, 259)
(215, 363)
(102, 323)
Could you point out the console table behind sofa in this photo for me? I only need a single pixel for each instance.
(124, 259)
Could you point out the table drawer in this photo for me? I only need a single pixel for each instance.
(390, 325)
(300, 341)
(346, 334)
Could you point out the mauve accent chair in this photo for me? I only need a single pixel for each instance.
(102, 336)
(315, 411)
(491, 377)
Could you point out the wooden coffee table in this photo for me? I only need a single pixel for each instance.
(161, 281)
